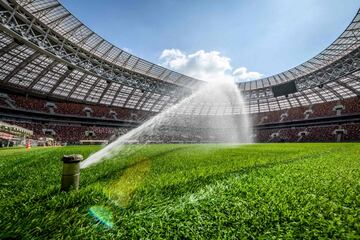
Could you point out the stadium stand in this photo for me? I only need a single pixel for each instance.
(71, 108)
(328, 109)
(60, 79)
(69, 133)
(328, 133)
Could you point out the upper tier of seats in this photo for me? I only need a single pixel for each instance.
(71, 108)
(328, 109)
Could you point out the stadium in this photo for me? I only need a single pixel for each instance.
(165, 155)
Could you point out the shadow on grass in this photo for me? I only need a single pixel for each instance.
(195, 184)
(112, 172)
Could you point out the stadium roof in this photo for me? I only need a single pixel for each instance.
(343, 45)
(331, 75)
(45, 50)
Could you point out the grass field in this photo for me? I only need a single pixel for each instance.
(185, 192)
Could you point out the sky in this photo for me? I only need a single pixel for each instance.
(210, 39)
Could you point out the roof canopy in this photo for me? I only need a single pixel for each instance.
(45, 50)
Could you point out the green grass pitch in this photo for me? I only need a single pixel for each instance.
(185, 192)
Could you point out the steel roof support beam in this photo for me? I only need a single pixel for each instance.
(333, 91)
(83, 40)
(165, 104)
(151, 67)
(81, 57)
(60, 80)
(282, 80)
(8, 48)
(72, 30)
(104, 92)
(116, 58)
(267, 103)
(129, 97)
(157, 102)
(58, 20)
(300, 70)
(126, 61)
(77, 84)
(13, 12)
(147, 99)
(178, 79)
(277, 101)
(116, 94)
(27, 2)
(96, 46)
(167, 75)
(289, 102)
(307, 67)
(107, 51)
(354, 77)
(92, 88)
(306, 97)
(314, 90)
(42, 74)
(297, 99)
(137, 61)
(316, 64)
(19, 67)
(355, 91)
(50, 7)
(162, 73)
(141, 98)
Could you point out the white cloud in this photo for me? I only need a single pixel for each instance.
(242, 74)
(208, 66)
(127, 50)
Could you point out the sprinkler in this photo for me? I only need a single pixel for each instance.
(71, 172)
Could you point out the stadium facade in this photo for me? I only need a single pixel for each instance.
(58, 78)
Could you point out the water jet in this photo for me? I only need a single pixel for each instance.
(214, 113)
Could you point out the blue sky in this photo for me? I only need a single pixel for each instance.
(264, 37)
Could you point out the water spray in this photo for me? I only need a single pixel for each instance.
(71, 172)
(215, 112)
